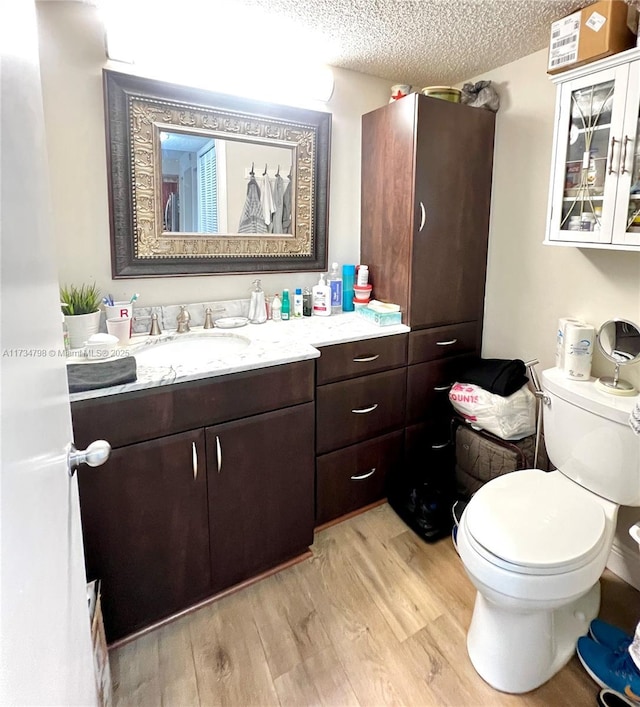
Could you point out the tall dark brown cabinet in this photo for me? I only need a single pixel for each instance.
(426, 193)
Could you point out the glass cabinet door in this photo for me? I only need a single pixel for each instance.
(626, 227)
(588, 145)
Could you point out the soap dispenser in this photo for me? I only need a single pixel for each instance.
(257, 305)
(322, 298)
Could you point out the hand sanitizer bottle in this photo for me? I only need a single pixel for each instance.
(322, 298)
(297, 303)
(335, 284)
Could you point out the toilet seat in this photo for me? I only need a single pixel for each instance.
(532, 522)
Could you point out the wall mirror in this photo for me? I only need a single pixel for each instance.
(203, 183)
(619, 341)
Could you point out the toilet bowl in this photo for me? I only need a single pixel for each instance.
(535, 543)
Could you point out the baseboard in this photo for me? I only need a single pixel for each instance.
(625, 562)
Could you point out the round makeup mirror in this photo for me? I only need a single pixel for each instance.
(619, 341)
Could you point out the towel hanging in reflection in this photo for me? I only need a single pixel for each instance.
(252, 218)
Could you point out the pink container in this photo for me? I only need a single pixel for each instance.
(362, 292)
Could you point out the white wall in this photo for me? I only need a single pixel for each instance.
(72, 57)
(529, 285)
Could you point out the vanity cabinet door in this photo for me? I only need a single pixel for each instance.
(261, 492)
(145, 527)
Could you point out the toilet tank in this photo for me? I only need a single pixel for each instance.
(589, 439)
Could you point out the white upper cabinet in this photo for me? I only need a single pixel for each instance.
(594, 198)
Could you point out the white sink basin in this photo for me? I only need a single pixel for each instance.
(191, 349)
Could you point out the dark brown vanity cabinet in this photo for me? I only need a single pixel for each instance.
(260, 492)
(426, 193)
(146, 536)
(360, 414)
(208, 484)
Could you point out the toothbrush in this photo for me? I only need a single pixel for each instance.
(134, 297)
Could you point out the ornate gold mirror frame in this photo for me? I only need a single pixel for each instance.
(138, 111)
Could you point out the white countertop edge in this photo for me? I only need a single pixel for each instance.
(273, 344)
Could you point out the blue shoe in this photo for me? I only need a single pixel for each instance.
(610, 636)
(609, 669)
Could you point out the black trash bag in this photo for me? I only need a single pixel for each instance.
(481, 95)
(425, 506)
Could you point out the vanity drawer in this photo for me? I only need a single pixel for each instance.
(359, 358)
(355, 476)
(444, 341)
(428, 386)
(355, 410)
(428, 450)
(147, 414)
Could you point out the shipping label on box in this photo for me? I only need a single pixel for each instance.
(565, 39)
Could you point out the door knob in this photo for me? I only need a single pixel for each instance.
(95, 454)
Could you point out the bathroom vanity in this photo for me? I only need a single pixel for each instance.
(212, 481)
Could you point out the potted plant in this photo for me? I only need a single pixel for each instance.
(81, 309)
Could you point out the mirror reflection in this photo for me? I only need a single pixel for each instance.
(218, 186)
(619, 340)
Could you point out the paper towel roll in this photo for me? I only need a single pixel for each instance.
(560, 347)
(578, 351)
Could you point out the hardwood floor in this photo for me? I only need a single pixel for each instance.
(375, 617)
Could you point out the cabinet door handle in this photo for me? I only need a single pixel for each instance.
(364, 476)
(442, 388)
(611, 148)
(423, 217)
(366, 359)
(194, 460)
(363, 411)
(219, 453)
(623, 159)
(440, 446)
(447, 343)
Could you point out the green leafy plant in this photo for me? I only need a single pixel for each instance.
(79, 300)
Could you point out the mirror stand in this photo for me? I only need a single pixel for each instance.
(619, 341)
(615, 385)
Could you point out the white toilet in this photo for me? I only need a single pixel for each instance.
(535, 544)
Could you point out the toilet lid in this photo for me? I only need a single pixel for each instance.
(536, 521)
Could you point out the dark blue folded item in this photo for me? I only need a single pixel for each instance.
(102, 374)
(496, 375)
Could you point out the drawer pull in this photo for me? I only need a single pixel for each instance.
(364, 411)
(366, 359)
(364, 476)
(446, 343)
(442, 388)
(440, 446)
(194, 460)
(219, 453)
(423, 217)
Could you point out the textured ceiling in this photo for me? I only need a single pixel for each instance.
(423, 42)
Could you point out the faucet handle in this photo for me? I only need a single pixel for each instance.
(155, 327)
(183, 320)
(208, 318)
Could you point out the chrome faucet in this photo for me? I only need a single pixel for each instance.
(183, 320)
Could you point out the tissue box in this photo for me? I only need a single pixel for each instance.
(380, 318)
(599, 30)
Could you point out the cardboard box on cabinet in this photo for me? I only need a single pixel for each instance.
(599, 30)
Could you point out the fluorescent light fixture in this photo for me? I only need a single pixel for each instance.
(223, 46)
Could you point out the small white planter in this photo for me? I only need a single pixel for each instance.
(81, 327)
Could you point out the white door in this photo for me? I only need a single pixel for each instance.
(46, 656)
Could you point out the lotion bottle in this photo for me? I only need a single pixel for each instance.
(297, 303)
(322, 298)
(286, 306)
(276, 308)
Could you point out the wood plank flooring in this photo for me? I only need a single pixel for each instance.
(375, 617)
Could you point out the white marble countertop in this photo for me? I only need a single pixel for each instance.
(270, 344)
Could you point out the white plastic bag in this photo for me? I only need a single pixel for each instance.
(510, 417)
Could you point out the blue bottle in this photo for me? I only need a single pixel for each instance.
(348, 281)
